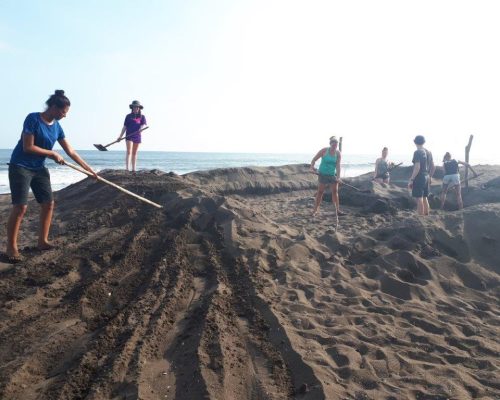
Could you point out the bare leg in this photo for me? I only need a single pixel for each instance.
(335, 195)
(47, 209)
(420, 205)
(13, 225)
(336, 217)
(319, 197)
(135, 147)
(129, 152)
(458, 191)
(443, 195)
(425, 203)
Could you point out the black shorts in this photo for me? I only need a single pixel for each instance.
(21, 179)
(420, 186)
(327, 179)
(384, 175)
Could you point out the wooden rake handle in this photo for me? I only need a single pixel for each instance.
(128, 192)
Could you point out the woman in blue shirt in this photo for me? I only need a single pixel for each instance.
(328, 173)
(27, 169)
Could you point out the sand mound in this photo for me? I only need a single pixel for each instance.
(255, 180)
(233, 291)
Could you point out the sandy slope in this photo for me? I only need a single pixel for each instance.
(233, 291)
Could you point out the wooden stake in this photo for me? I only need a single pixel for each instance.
(340, 144)
(467, 151)
(83, 171)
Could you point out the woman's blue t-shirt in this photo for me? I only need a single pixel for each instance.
(45, 137)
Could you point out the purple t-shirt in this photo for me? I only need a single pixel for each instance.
(133, 123)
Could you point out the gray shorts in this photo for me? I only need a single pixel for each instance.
(451, 180)
(21, 179)
(327, 179)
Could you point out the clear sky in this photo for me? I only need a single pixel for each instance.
(259, 75)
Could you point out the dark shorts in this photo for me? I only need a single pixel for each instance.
(21, 179)
(327, 179)
(135, 138)
(420, 186)
(384, 175)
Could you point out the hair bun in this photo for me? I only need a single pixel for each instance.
(59, 92)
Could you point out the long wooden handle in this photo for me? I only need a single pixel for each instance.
(475, 176)
(125, 137)
(76, 167)
(467, 151)
(352, 187)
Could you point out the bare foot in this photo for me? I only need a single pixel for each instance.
(13, 257)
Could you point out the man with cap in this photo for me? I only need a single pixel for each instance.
(134, 122)
(420, 180)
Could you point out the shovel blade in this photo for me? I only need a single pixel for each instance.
(100, 147)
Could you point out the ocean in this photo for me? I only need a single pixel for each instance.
(178, 162)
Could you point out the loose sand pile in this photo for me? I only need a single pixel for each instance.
(233, 291)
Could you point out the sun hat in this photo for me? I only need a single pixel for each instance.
(136, 103)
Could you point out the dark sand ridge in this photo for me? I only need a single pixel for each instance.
(234, 292)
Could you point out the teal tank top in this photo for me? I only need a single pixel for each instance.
(328, 164)
(383, 167)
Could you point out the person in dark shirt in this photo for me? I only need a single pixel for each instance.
(451, 179)
(420, 180)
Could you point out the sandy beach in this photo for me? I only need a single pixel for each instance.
(234, 291)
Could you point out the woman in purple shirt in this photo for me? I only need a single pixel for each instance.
(134, 122)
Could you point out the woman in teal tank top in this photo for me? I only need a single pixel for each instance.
(328, 172)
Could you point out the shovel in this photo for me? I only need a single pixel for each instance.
(100, 147)
(394, 166)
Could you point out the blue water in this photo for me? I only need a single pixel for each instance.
(178, 162)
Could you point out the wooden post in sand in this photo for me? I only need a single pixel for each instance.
(467, 151)
(340, 144)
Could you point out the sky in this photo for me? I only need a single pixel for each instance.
(259, 75)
